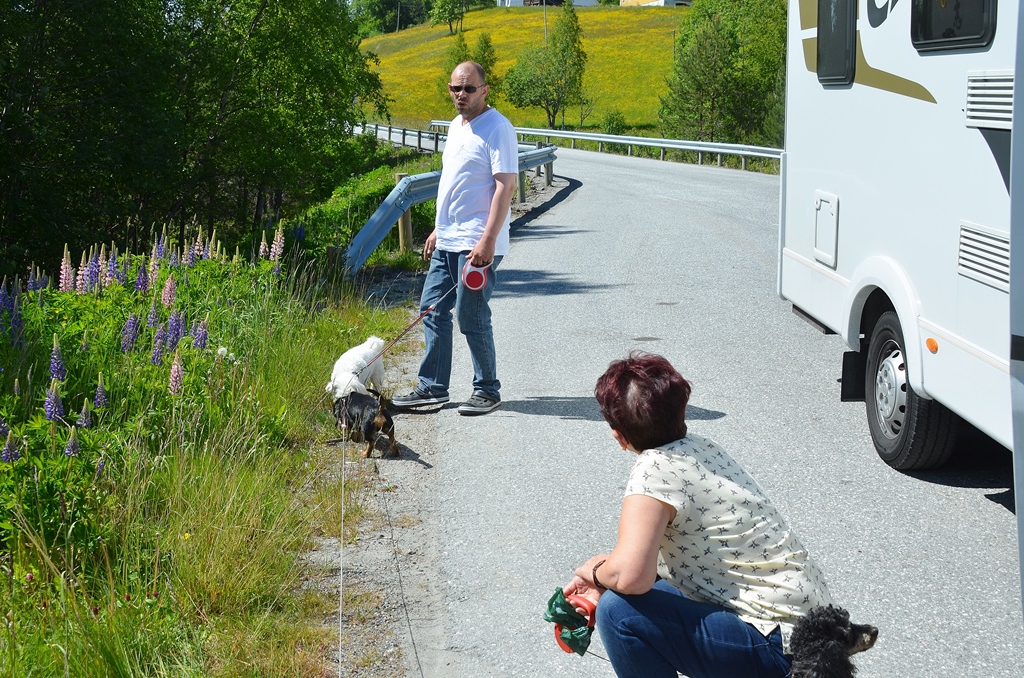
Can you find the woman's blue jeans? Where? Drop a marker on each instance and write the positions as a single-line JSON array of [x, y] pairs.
[[474, 313], [663, 633]]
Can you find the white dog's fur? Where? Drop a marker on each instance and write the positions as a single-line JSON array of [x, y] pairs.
[[351, 372]]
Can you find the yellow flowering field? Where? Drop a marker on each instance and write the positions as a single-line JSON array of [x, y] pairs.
[[629, 57]]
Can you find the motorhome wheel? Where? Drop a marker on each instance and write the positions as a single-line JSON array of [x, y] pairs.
[[909, 432]]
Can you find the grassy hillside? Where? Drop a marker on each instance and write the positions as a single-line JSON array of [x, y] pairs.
[[629, 52]]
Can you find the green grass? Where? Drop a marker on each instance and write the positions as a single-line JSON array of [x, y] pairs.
[[629, 57], [179, 554]]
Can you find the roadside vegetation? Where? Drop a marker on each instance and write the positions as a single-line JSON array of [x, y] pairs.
[[163, 466]]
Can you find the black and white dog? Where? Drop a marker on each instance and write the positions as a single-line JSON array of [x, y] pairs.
[[359, 408], [823, 642]]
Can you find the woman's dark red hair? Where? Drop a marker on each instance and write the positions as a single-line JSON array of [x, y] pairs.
[[644, 398]]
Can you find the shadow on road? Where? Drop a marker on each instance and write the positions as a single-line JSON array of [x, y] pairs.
[[978, 462], [584, 408], [519, 222], [521, 282]]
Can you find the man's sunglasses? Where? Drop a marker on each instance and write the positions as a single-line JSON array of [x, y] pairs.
[[469, 88]]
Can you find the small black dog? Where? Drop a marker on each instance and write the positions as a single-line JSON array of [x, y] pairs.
[[363, 418], [823, 641]]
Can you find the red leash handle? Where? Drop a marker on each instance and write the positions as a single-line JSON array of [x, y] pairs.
[[576, 601]]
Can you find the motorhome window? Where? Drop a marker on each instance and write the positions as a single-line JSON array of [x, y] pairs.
[[837, 31], [952, 24]]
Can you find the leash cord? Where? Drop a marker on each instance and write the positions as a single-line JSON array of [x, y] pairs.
[[411, 325]]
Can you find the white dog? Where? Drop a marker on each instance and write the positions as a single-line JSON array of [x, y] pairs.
[[353, 371]]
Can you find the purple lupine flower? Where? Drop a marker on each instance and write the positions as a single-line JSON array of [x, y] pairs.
[[112, 269], [263, 247], [159, 343], [100, 400], [122, 273], [99, 467], [129, 333], [31, 279], [152, 316], [84, 348], [190, 257], [73, 447], [67, 274], [175, 329], [92, 274], [85, 416], [53, 405], [206, 251], [177, 375], [174, 258], [10, 452], [141, 279], [277, 248], [161, 246], [58, 370], [4, 429], [277, 267], [200, 335], [83, 272], [170, 291]]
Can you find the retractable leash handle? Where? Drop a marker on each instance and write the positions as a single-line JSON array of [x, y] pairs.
[[576, 601], [474, 278]]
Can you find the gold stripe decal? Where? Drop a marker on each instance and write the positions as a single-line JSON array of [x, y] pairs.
[[867, 75], [872, 77]]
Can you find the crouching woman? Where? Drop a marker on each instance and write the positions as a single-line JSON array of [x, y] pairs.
[[706, 578]]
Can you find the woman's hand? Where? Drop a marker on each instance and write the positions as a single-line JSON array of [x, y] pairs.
[[582, 583]]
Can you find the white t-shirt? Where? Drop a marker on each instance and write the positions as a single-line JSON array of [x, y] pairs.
[[728, 545], [473, 154]]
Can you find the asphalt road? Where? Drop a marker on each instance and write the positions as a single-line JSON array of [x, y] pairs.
[[681, 260]]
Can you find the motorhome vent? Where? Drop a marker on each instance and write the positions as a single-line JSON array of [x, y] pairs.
[[984, 255], [990, 99]]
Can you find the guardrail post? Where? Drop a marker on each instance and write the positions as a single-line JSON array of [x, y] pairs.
[[536, 171], [743, 159], [629, 150], [522, 187], [549, 173], [600, 146], [700, 157], [662, 152], [403, 137], [404, 222], [437, 135], [719, 159], [573, 144], [419, 140]]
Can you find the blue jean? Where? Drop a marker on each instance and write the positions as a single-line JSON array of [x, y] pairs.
[[474, 313], [662, 633]]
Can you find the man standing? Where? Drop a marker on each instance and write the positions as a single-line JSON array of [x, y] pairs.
[[478, 176]]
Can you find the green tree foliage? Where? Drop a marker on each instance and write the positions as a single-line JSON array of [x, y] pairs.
[[550, 76], [448, 12], [374, 17], [702, 81], [121, 115], [485, 55], [728, 54]]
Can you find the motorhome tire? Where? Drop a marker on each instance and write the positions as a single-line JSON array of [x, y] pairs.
[[909, 432]]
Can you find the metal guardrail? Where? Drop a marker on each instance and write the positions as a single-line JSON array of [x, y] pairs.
[[700, 147], [413, 190]]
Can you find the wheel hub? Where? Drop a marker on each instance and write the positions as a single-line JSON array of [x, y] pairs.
[[891, 392]]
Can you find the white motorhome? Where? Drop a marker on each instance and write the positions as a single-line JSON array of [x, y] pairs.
[[895, 209]]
